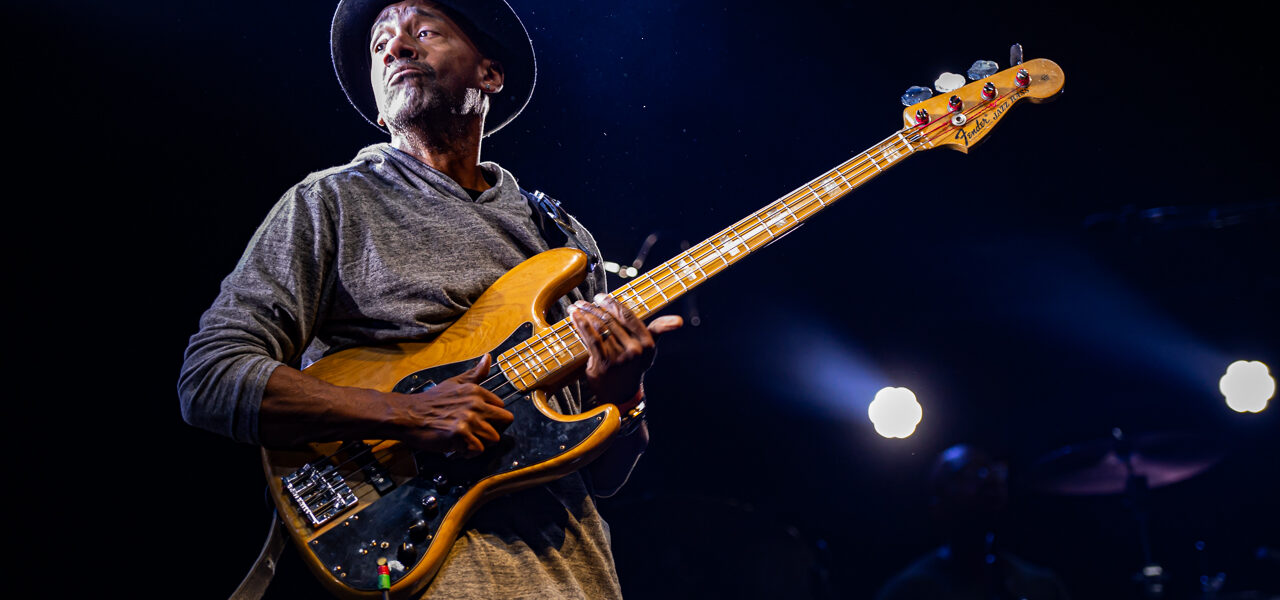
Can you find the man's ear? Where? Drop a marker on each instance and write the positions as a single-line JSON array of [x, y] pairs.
[[491, 76]]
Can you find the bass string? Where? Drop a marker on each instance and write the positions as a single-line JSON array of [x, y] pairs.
[[376, 444], [375, 448], [804, 197]]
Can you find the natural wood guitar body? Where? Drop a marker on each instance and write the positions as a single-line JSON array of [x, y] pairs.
[[347, 562]]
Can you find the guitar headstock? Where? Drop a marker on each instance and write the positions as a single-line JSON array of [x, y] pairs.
[[982, 104]]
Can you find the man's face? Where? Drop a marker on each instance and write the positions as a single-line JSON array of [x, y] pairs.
[[423, 62]]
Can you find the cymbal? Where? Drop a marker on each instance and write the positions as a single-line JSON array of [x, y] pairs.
[[1099, 467]]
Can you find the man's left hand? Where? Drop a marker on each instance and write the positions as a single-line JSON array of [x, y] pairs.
[[620, 347]]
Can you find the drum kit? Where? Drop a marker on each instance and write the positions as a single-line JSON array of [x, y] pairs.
[[1132, 466]]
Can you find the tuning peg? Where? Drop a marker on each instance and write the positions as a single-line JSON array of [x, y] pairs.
[[948, 82], [989, 91], [954, 103], [983, 68], [916, 94], [1015, 55], [1023, 78]]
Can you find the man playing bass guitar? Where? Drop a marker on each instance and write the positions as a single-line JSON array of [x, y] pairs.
[[397, 245]]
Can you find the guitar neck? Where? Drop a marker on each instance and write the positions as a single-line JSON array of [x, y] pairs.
[[547, 357], [668, 281], [967, 117]]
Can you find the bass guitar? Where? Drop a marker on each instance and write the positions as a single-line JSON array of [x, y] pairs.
[[356, 508]]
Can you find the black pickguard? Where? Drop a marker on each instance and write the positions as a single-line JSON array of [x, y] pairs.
[[351, 550]]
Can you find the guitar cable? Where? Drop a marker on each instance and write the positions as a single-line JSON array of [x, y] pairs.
[[384, 578]]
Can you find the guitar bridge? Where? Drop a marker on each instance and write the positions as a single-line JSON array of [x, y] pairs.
[[319, 492]]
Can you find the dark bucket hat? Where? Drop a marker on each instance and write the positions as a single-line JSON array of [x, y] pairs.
[[493, 26]]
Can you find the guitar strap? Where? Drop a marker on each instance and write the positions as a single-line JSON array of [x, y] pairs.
[[547, 209], [259, 577]]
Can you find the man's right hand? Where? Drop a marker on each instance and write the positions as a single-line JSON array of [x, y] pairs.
[[456, 415]]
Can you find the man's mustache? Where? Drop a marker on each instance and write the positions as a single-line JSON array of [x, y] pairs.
[[404, 64]]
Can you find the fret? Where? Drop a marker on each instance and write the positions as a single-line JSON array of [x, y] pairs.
[[792, 213], [846, 181], [515, 354], [727, 245], [525, 362], [910, 148], [517, 379], [758, 228], [687, 270], [698, 265], [575, 339], [562, 346], [829, 189], [639, 298], [890, 153], [742, 242], [871, 158], [679, 279], [572, 334], [621, 296], [659, 288], [816, 194], [712, 254], [655, 277], [552, 351], [566, 343], [640, 287]]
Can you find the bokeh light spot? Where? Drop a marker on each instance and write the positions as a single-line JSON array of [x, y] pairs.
[[895, 412], [1247, 385]]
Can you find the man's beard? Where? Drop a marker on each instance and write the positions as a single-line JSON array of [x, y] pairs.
[[432, 112]]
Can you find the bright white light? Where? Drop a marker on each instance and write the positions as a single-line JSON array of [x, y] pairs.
[[895, 412], [623, 272], [1247, 385]]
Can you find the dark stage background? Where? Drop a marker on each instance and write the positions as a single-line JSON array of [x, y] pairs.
[[1024, 292]]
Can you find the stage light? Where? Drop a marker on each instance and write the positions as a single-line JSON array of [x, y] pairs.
[[1247, 386], [895, 412], [623, 272]]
